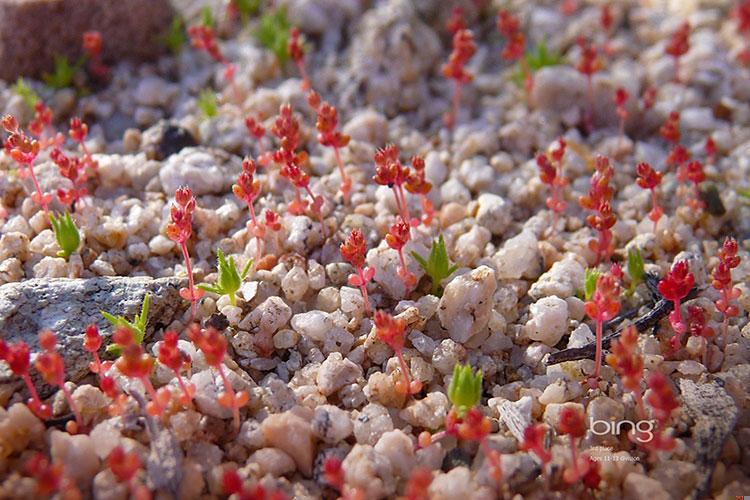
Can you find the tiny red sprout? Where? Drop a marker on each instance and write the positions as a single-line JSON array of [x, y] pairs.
[[179, 231], [621, 99], [670, 130], [353, 251], [649, 97], [721, 280], [417, 488], [697, 323], [674, 287], [661, 397], [247, 189], [272, 220], [18, 357], [741, 14], [92, 342], [533, 441], [296, 51], [203, 38], [397, 238], [330, 136], [79, 131], [510, 27], [255, 128], [92, 45], [389, 171], [475, 426], [694, 173], [553, 177], [456, 21], [573, 423], [678, 46], [173, 358], [334, 473], [73, 169], [599, 200], [50, 478], [42, 121], [51, 366], [650, 179], [232, 482], [605, 17], [589, 63], [625, 358], [392, 331], [135, 363], [710, 148], [416, 183], [603, 306], [125, 466], [24, 150], [463, 50], [214, 346]]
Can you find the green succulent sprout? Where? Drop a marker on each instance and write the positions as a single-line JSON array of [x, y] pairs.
[[207, 103], [535, 59], [207, 17], [589, 283], [66, 233], [230, 279], [273, 33], [437, 266], [635, 268], [62, 76], [24, 90], [174, 38], [247, 8], [137, 326], [465, 389]]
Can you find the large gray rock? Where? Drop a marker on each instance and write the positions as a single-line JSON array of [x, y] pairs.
[[68, 306], [32, 32]]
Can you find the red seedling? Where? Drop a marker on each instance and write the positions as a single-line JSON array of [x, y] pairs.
[[353, 251], [202, 37], [330, 136], [605, 17], [392, 331], [79, 131], [234, 486], [649, 97], [179, 231], [621, 99], [397, 238], [573, 423], [721, 280], [599, 200], [650, 179], [255, 128], [694, 173], [73, 169], [418, 486], [24, 150], [554, 178], [515, 42], [678, 46], [41, 127], [603, 306], [670, 130], [568, 7], [663, 403], [463, 50], [334, 475], [18, 357], [675, 286], [247, 189], [534, 442], [416, 183], [50, 478], [697, 328], [125, 467], [456, 21], [51, 366], [92, 342], [272, 220], [135, 363], [710, 148], [741, 14], [214, 346], [296, 51], [588, 64], [92, 46], [625, 358], [389, 171], [173, 358]]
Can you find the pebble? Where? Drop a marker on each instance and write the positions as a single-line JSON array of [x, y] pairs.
[[608, 410], [272, 461], [369, 471], [293, 435], [295, 284], [466, 304], [563, 280], [313, 325], [428, 412], [639, 487], [447, 354], [549, 320], [271, 315], [154, 91], [493, 213], [454, 484], [398, 448], [552, 412], [331, 424], [519, 257], [336, 372], [18, 428], [80, 450], [370, 423], [199, 170]]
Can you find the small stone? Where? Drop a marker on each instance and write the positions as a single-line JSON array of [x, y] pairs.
[[639, 487], [549, 320], [369, 471], [371, 423], [563, 280], [451, 213], [690, 367], [336, 372], [199, 169], [553, 393], [285, 339], [447, 354], [206, 455], [552, 412], [428, 412], [272, 461], [18, 428], [251, 435], [331, 424], [295, 284], [454, 484], [608, 410], [493, 213], [519, 257], [399, 450], [467, 303], [293, 435], [313, 325], [80, 450]]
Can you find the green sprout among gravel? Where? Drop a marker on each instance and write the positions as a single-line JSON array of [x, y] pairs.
[[589, 283], [437, 266], [25, 92], [635, 269], [273, 33], [207, 103], [465, 388], [230, 279], [137, 325], [66, 233]]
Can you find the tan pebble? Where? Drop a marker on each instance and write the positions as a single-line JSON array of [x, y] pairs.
[[131, 140], [367, 209], [451, 213], [292, 435]]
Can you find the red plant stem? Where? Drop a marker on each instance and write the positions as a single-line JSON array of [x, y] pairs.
[[403, 261], [639, 404], [404, 370], [71, 403], [228, 387], [182, 385], [191, 285], [528, 78], [251, 208], [363, 289], [490, 456], [598, 358], [677, 69], [152, 393], [344, 179], [30, 385], [654, 205], [303, 73], [38, 189]]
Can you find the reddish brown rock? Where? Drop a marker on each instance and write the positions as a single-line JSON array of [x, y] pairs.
[[32, 32]]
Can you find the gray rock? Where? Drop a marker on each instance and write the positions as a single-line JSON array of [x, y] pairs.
[[165, 139], [68, 306], [204, 171]]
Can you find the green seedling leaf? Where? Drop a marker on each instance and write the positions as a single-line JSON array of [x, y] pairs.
[[589, 283], [465, 388], [635, 266], [535, 59], [207, 103], [137, 325], [175, 38], [23, 90], [745, 193], [66, 233], [437, 266], [273, 33], [247, 8], [230, 279], [62, 76], [207, 17]]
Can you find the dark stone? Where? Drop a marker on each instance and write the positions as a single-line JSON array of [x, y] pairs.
[[165, 139]]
